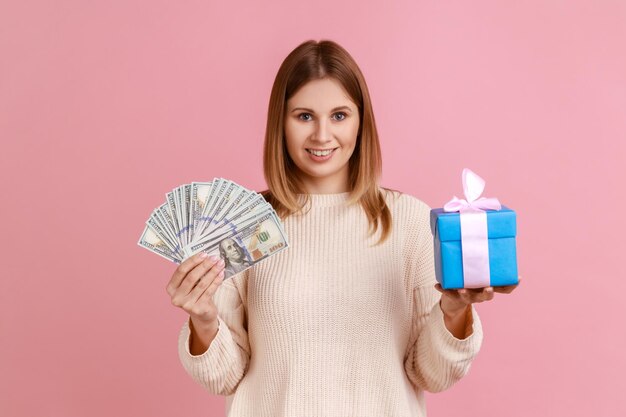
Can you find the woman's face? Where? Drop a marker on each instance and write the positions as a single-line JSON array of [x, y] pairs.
[[321, 127]]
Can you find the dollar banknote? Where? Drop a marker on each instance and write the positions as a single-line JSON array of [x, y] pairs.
[[154, 243], [218, 217], [240, 251]]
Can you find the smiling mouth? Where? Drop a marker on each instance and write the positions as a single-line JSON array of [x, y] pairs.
[[320, 152]]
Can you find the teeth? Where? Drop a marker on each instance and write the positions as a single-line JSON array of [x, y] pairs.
[[320, 153]]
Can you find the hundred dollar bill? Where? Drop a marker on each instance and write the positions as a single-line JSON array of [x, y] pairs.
[[151, 241], [200, 192], [247, 205], [157, 227], [218, 187], [179, 211], [186, 196], [248, 247], [229, 229], [173, 213], [180, 207], [166, 219], [218, 217], [222, 200], [228, 205], [232, 226]]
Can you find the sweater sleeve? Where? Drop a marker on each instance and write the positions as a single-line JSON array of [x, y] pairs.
[[223, 365], [435, 359]]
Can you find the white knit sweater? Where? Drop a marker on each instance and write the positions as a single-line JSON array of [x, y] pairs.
[[333, 326]]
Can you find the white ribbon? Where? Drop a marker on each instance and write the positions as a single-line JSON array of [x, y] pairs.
[[474, 233]]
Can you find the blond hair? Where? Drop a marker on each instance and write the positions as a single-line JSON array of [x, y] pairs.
[[313, 60]]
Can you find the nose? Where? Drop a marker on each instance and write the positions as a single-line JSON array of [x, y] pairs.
[[322, 132]]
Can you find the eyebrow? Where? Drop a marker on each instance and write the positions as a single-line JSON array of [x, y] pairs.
[[333, 110]]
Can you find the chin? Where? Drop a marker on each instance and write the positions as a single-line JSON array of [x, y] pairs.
[[323, 172]]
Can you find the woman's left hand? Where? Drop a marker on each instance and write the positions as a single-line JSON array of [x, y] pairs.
[[455, 304]]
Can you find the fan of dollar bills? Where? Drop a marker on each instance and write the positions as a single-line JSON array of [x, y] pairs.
[[220, 218]]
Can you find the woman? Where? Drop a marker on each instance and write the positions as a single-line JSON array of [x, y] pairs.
[[348, 321]]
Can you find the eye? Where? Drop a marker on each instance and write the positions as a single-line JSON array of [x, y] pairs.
[[304, 114], [342, 114]]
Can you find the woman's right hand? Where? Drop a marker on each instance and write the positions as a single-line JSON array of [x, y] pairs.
[[192, 287]]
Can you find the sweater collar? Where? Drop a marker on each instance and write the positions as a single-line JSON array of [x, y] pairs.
[[326, 200]]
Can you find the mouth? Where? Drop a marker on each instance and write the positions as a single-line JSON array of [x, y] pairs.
[[321, 152]]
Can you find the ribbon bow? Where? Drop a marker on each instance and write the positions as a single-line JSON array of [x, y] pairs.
[[473, 187], [474, 234]]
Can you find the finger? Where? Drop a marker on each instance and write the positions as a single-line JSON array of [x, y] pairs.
[[478, 295], [506, 289], [206, 281], [188, 300], [194, 276], [180, 297], [465, 296], [205, 300], [212, 288], [461, 294], [182, 270], [487, 294], [452, 292], [482, 294]]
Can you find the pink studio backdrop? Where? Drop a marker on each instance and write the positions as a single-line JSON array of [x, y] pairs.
[[105, 106]]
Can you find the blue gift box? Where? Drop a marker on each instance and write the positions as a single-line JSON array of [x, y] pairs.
[[501, 232]]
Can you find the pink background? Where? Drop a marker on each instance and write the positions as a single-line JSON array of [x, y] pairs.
[[105, 106]]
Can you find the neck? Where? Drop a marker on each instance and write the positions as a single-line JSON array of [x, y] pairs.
[[334, 184]]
